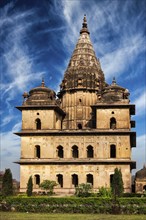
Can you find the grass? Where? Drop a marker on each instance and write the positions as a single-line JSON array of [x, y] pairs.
[[37, 216]]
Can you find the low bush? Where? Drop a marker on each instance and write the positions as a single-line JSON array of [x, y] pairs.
[[104, 192], [74, 205], [83, 190]]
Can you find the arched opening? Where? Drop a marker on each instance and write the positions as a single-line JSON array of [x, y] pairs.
[[90, 179], [60, 180], [79, 126], [90, 152], [75, 180], [38, 124], [37, 179], [112, 123], [37, 151], [60, 152], [144, 187], [75, 152], [112, 151], [111, 179]]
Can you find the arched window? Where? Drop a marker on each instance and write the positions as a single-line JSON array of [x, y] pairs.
[[90, 152], [37, 179], [112, 123], [37, 151], [60, 152], [75, 180], [112, 151], [90, 179], [60, 180], [38, 124], [79, 126], [75, 153]]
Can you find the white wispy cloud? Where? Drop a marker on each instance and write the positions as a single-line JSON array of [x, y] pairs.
[[17, 61], [117, 39], [117, 54], [139, 153], [16, 58], [140, 103], [6, 120], [10, 150], [117, 61]]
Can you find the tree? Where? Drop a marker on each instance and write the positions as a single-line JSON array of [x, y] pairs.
[[7, 183], [29, 187], [83, 190], [117, 183], [48, 185]]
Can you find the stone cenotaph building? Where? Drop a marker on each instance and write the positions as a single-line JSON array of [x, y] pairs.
[[81, 134]]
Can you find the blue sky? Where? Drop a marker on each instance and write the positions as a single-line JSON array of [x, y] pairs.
[[37, 40]]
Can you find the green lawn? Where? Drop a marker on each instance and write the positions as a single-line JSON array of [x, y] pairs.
[[33, 216]]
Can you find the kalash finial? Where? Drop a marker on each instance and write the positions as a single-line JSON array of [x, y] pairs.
[[84, 26], [43, 82], [114, 81]]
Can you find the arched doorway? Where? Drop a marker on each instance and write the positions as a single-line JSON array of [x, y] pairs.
[[75, 152], [111, 179], [60, 180], [60, 152], [90, 179], [75, 180], [37, 180], [90, 151]]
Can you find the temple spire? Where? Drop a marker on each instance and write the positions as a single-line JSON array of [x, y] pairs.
[[84, 26]]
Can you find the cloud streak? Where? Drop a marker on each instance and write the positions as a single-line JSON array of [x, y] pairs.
[[38, 40]]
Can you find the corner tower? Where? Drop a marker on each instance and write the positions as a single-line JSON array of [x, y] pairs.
[[82, 80]]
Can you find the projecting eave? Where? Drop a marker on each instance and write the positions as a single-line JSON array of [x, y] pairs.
[[42, 107], [114, 105], [77, 161]]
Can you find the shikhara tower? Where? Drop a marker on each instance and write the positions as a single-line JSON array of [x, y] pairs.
[[82, 135]]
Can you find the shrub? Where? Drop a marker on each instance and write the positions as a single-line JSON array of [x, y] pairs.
[[83, 190], [75, 205], [104, 192], [48, 185]]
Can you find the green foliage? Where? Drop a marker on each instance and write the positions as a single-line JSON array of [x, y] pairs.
[[104, 192], [48, 185], [74, 205], [117, 184], [83, 190], [7, 183], [29, 187]]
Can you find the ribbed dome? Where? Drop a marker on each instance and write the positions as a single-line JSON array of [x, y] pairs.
[[40, 95], [84, 70], [114, 92], [141, 174]]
